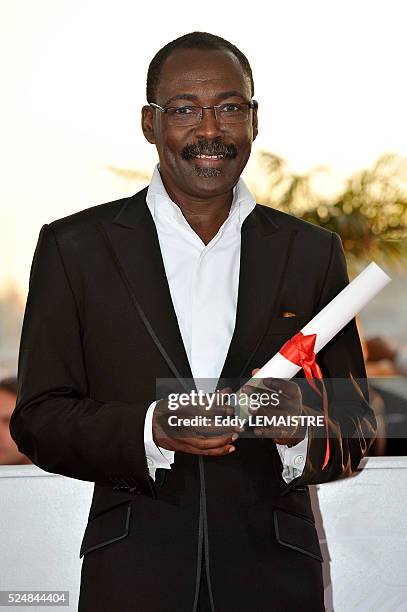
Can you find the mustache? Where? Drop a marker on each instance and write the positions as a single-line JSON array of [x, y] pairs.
[[207, 147]]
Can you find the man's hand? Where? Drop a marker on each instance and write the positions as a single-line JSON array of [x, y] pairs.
[[202, 439], [290, 404]]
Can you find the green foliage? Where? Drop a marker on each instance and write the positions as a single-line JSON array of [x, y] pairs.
[[368, 211]]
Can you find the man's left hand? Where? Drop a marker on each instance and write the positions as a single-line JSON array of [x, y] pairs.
[[290, 404]]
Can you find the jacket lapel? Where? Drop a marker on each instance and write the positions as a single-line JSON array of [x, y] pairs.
[[133, 242], [265, 251]]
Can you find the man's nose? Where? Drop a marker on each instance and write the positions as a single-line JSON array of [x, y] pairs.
[[209, 126]]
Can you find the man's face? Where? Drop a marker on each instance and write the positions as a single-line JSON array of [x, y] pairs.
[[9, 453], [201, 78]]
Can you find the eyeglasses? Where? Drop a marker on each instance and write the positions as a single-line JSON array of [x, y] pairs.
[[229, 113]]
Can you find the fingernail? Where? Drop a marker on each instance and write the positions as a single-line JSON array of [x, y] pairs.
[[235, 436], [231, 449]]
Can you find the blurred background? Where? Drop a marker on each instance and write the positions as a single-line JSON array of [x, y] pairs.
[[332, 145]]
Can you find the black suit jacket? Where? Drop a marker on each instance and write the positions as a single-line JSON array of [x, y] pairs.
[[99, 329]]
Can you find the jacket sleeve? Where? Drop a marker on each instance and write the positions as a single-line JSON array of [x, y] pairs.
[[352, 424], [55, 422]]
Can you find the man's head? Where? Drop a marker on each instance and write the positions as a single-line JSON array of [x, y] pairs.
[[9, 453], [200, 70]]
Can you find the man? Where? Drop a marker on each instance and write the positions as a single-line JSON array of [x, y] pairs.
[[9, 453], [186, 280]]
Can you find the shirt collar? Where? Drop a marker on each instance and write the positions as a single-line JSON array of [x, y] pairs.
[[161, 205]]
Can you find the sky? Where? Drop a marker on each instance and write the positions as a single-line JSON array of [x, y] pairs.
[[329, 78]]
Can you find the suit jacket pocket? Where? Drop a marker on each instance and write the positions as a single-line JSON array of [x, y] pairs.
[[297, 532], [286, 325], [106, 528]]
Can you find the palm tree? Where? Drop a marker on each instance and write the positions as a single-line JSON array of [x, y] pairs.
[[369, 211]]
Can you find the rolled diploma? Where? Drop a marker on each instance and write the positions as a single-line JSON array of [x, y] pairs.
[[329, 321]]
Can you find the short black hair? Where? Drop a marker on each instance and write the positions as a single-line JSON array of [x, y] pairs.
[[193, 40], [9, 385]]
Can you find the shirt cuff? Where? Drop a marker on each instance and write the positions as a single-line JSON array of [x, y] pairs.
[[293, 458], [157, 457]]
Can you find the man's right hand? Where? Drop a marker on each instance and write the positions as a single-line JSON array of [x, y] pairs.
[[208, 439]]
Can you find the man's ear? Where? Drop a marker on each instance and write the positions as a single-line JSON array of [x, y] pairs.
[[147, 123], [255, 124]]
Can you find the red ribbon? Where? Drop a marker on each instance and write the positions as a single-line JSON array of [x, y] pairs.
[[300, 350]]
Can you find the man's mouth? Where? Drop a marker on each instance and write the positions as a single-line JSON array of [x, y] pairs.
[[202, 156], [208, 157], [214, 157], [209, 152]]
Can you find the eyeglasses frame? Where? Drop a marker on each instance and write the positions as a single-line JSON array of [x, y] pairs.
[[252, 104]]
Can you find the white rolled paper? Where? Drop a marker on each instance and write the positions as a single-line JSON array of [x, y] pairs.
[[332, 318], [328, 322]]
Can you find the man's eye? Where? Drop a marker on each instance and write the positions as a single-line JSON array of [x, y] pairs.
[[230, 108], [183, 110]]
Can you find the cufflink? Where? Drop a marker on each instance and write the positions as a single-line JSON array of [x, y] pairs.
[[288, 314]]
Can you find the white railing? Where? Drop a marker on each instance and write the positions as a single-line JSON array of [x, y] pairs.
[[362, 524]]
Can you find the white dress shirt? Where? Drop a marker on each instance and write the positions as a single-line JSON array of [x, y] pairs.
[[203, 282]]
